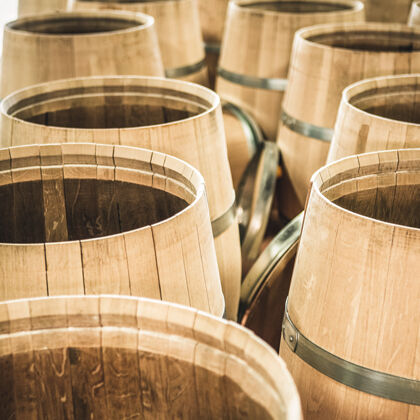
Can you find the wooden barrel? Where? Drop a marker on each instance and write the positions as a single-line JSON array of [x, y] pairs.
[[84, 218], [266, 286], [344, 53], [113, 357], [32, 7], [377, 114], [243, 138], [56, 46], [414, 16], [256, 50], [178, 29], [212, 19], [351, 327], [170, 116], [387, 10]]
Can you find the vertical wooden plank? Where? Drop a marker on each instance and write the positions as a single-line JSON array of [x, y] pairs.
[[7, 215], [105, 268], [142, 266], [121, 370], [22, 271], [7, 386], [54, 204], [64, 268]]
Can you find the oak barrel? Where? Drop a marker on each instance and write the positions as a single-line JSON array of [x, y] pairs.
[[178, 29], [352, 323], [414, 16], [83, 218], [56, 46], [114, 357], [325, 60], [174, 117], [256, 50], [32, 7], [378, 114]]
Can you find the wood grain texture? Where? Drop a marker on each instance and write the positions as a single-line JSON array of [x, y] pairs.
[[166, 252], [258, 41], [362, 216], [326, 60], [177, 26], [119, 357], [169, 116], [377, 114], [82, 44], [387, 10], [32, 7]]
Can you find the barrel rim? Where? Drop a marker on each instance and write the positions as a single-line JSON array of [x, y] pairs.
[[199, 186], [177, 86], [357, 88], [176, 320], [303, 34], [240, 6], [318, 180], [143, 20]]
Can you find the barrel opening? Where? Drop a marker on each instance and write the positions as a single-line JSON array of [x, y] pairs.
[[298, 6], [390, 193], [73, 25], [401, 103], [373, 41], [31, 211], [109, 107], [111, 382]]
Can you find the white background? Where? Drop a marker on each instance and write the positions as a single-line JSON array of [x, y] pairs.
[[8, 12]]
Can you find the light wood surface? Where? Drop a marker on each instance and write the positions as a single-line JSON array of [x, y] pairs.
[[57, 46], [258, 41], [174, 117], [325, 60], [116, 357], [387, 10], [378, 114], [32, 7], [82, 218], [178, 29], [414, 16], [355, 289]]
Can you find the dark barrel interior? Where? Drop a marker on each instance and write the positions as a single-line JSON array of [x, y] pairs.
[[109, 107], [397, 204], [299, 6], [76, 209], [374, 40], [400, 102], [117, 383], [73, 25]]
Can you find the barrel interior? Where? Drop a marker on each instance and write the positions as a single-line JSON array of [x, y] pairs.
[[73, 24], [388, 196], [401, 102], [83, 382], [109, 107], [373, 40], [299, 6], [93, 208]]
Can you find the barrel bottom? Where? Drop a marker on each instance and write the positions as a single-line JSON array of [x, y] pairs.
[[301, 156], [228, 251], [323, 398]]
